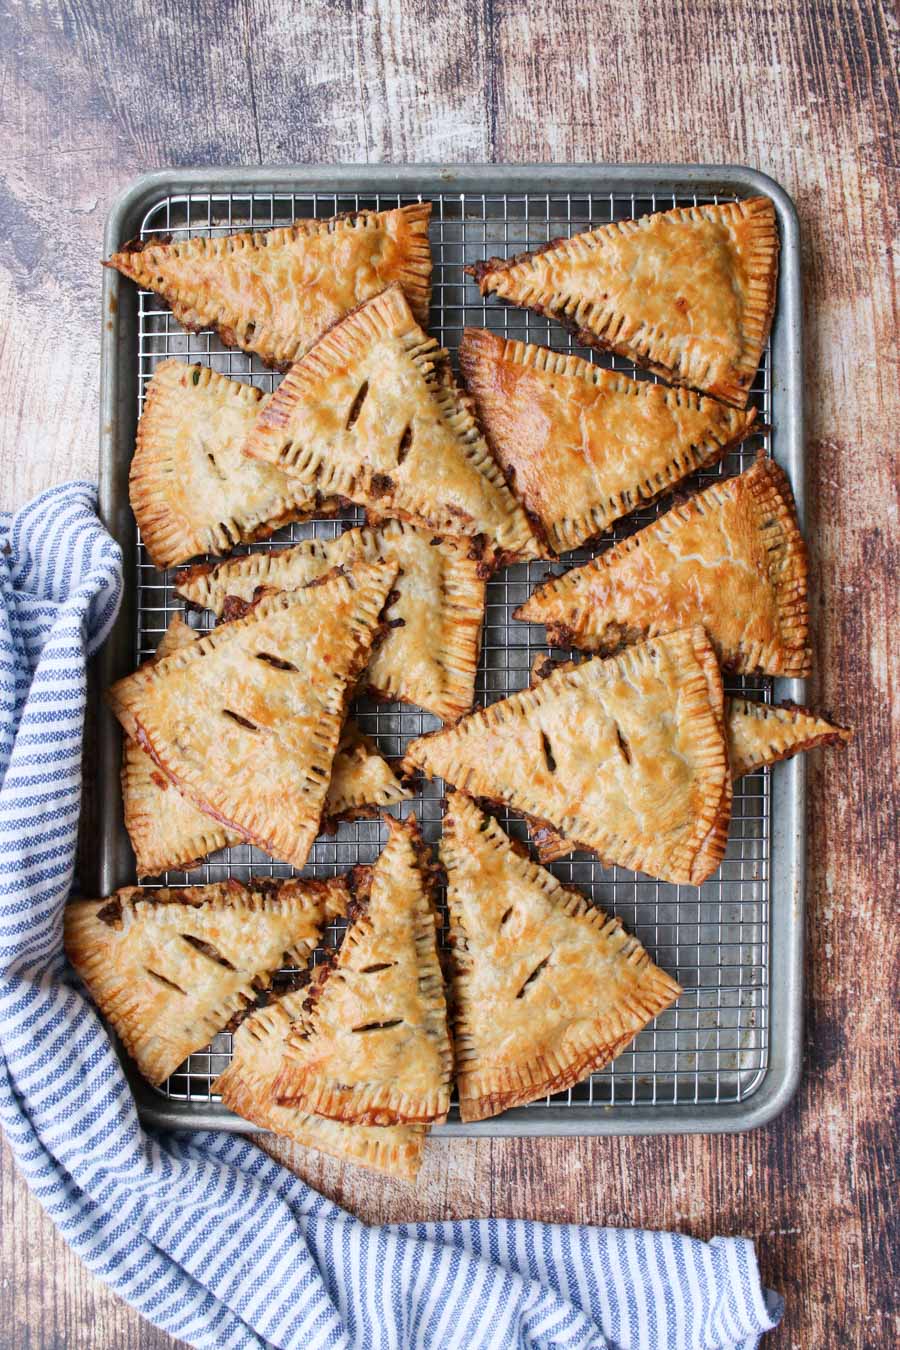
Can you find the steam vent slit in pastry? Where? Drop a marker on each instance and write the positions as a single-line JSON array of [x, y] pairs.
[[688, 293], [192, 489], [429, 655], [582, 446], [376, 1050], [546, 988], [274, 293], [372, 413], [168, 831], [169, 969], [731, 557], [246, 1088], [625, 757], [246, 721]]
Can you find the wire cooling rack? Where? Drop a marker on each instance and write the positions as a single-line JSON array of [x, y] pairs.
[[713, 1046]]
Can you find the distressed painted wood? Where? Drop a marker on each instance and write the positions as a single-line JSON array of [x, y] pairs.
[[92, 94]]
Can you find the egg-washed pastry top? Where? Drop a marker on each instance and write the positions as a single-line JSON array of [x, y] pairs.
[[756, 734], [546, 988], [192, 489], [626, 757], [376, 1050], [274, 292], [582, 446], [246, 720], [246, 1088], [731, 557], [170, 968], [429, 655], [760, 734], [688, 293], [168, 831], [372, 413]]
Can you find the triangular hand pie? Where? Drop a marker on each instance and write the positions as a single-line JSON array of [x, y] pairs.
[[760, 734], [192, 490], [170, 968], [430, 653], [361, 779], [168, 831], [376, 1050], [275, 293], [688, 293], [246, 720], [756, 734], [372, 413], [583, 446], [246, 1088], [731, 557], [626, 756], [547, 989]]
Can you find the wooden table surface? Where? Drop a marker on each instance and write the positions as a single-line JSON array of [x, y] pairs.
[[93, 94]]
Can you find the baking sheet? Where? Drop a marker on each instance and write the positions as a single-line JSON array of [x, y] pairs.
[[727, 1055]]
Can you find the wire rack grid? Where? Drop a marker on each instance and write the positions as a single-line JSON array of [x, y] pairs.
[[713, 1046]]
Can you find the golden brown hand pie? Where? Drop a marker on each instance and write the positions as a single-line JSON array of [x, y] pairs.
[[731, 558], [275, 293], [757, 735], [246, 1087], [192, 490], [583, 446], [760, 734], [430, 654], [168, 831], [246, 720], [372, 413], [170, 968], [546, 989], [626, 757], [688, 293], [376, 1050]]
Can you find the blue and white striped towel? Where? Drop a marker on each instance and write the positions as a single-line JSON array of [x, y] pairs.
[[203, 1233]]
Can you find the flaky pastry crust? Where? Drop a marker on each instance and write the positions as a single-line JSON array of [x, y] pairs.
[[275, 292], [372, 413], [191, 488], [429, 655], [582, 446], [246, 1088], [626, 756], [246, 720], [376, 1050], [757, 735], [688, 293], [170, 968], [546, 988], [731, 557], [168, 831], [760, 734]]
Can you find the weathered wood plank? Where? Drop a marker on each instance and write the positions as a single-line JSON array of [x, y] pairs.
[[91, 95]]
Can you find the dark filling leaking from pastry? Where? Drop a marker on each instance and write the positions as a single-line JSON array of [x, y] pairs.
[[275, 661], [207, 949], [241, 721], [533, 976], [356, 405], [405, 445], [623, 744]]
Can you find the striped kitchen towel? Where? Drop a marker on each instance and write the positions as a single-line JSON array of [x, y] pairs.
[[203, 1233]]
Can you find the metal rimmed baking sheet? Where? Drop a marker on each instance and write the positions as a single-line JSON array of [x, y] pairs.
[[727, 1055]]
